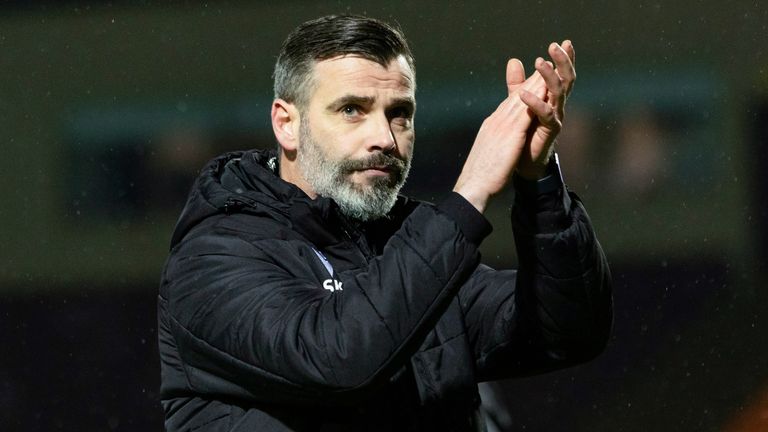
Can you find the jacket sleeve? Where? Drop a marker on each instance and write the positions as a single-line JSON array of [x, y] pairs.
[[248, 324], [556, 309]]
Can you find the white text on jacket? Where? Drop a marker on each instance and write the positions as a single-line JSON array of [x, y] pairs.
[[332, 285]]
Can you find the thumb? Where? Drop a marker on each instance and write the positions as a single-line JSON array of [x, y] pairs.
[[515, 74]]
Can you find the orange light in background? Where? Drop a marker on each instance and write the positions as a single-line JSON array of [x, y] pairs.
[[754, 417]]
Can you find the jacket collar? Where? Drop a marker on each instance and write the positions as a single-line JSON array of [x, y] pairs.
[[248, 182]]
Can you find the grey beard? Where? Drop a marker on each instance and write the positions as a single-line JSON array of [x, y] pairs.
[[330, 178]]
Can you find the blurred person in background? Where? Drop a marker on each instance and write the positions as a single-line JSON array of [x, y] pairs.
[[302, 292]]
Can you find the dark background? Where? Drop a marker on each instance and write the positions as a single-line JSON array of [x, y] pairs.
[[107, 110]]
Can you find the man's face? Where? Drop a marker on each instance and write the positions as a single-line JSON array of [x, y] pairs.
[[357, 133]]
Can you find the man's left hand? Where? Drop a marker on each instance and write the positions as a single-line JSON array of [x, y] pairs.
[[559, 78]]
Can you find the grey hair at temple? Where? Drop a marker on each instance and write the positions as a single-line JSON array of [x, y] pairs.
[[328, 37]]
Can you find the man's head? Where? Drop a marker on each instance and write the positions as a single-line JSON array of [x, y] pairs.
[[343, 112]]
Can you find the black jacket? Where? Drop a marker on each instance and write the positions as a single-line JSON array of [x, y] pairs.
[[276, 313]]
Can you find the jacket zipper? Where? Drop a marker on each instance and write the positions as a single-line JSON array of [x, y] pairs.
[[361, 242]]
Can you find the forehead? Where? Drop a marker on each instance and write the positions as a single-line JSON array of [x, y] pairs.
[[353, 74]]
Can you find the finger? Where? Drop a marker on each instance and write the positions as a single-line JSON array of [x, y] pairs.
[[563, 65], [560, 57], [571, 51], [554, 84], [542, 110], [568, 47], [515, 74], [551, 78]]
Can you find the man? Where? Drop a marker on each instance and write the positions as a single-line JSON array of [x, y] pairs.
[[302, 293]]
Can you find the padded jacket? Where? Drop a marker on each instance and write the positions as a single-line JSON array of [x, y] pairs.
[[277, 313]]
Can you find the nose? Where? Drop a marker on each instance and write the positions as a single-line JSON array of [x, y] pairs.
[[381, 137]]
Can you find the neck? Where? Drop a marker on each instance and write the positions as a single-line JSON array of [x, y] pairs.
[[290, 172]]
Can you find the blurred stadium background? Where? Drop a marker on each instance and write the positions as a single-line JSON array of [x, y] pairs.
[[107, 110]]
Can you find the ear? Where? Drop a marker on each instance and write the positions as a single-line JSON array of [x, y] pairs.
[[285, 124]]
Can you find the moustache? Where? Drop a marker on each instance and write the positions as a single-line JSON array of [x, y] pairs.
[[376, 160]]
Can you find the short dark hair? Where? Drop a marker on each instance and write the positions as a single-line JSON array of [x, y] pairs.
[[331, 36]]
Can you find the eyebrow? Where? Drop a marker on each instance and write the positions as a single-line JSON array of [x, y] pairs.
[[350, 100], [367, 101], [407, 102]]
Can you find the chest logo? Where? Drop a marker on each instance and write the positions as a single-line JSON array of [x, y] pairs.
[[332, 285]]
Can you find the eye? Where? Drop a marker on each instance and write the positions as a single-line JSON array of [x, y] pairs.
[[400, 112], [350, 110], [401, 116]]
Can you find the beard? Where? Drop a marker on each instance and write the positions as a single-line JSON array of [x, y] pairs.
[[332, 178]]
